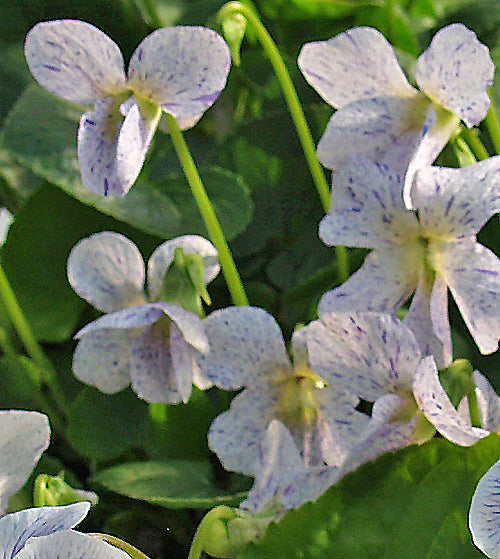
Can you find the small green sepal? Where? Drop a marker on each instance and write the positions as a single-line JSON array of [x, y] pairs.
[[54, 491]]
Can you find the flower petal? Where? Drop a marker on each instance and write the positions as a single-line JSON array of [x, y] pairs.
[[369, 127], [491, 411], [24, 435], [181, 69], [74, 60], [367, 208], [163, 256], [455, 71], [434, 402], [102, 359], [383, 283], [107, 270], [456, 203], [70, 545], [190, 326], [17, 528], [235, 435], [356, 64], [246, 345], [368, 354], [484, 515], [472, 273]]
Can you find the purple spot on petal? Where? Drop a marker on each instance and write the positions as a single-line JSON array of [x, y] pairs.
[[51, 68], [106, 187]]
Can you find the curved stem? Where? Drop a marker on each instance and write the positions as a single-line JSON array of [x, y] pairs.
[[212, 224], [472, 138], [493, 124]]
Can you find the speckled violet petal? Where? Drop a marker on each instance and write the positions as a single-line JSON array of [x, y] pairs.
[[183, 362], [69, 544], [369, 127], [152, 371], [309, 485], [299, 348], [181, 69], [484, 515], [491, 412], [367, 208], [456, 203], [436, 406], [190, 326], [383, 283], [235, 435], [278, 462], [97, 143], [74, 60], [356, 64], [24, 435], [433, 339], [246, 345], [133, 141], [472, 273], [17, 528], [134, 317], [455, 71], [6, 219], [369, 354], [163, 256], [102, 359], [107, 270]]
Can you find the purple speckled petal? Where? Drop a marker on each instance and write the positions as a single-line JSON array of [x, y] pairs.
[[235, 435], [309, 485], [356, 64], [490, 410], [455, 72], [369, 354], [369, 128], [484, 515], [428, 320], [367, 208], [134, 317], [107, 270], [24, 435], [102, 359], [17, 528], [472, 272], [456, 203], [74, 60], [69, 544], [436, 406], [154, 378], [181, 69], [383, 283], [190, 326], [163, 256], [246, 345], [97, 141]]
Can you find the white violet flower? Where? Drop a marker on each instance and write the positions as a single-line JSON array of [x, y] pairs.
[[153, 344], [179, 70]]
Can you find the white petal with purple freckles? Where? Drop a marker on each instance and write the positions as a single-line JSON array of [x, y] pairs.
[[107, 270], [491, 411], [24, 435], [356, 64], [102, 359], [74, 60], [484, 514], [163, 256], [455, 71], [246, 345], [181, 69], [190, 325], [435, 404]]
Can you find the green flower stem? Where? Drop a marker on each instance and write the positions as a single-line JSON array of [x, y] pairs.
[[212, 224], [296, 113], [475, 414], [472, 138], [493, 124], [23, 329]]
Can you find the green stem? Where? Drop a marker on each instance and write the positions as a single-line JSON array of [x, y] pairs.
[[390, 10], [475, 414], [493, 124], [212, 224], [471, 136], [297, 114], [23, 329]]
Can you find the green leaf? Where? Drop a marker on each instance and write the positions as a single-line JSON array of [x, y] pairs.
[[173, 484], [40, 131], [104, 426], [411, 504]]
